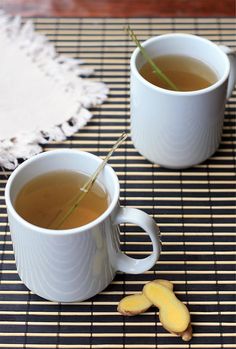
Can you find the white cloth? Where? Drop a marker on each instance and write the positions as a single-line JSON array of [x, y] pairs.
[[40, 92]]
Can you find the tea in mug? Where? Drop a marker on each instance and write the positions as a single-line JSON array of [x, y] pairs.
[[43, 198], [187, 73]]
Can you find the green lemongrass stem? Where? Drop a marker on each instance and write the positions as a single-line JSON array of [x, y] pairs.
[[60, 219], [156, 70]]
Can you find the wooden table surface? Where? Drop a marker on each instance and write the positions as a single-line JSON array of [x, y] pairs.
[[120, 8]]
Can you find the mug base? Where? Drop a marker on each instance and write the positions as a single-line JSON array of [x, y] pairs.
[[176, 167], [64, 298]]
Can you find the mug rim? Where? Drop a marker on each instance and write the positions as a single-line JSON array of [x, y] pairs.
[[210, 88], [54, 232]]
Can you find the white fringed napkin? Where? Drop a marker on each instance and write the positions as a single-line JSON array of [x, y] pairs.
[[42, 97]]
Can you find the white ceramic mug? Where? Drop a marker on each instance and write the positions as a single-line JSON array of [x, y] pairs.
[[180, 129], [74, 264]]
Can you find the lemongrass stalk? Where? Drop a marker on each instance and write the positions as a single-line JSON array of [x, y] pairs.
[[155, 68], [62, 217]]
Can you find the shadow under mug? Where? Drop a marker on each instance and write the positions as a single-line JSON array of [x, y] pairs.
[[180, 129], [74, 264]]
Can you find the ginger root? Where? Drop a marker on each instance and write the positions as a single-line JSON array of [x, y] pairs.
[[165, 283], [138, 303], [187, 334], [134, 304], [173, 314]]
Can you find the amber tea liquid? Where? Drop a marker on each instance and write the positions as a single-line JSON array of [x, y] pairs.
[[43, 198], [187, 73]]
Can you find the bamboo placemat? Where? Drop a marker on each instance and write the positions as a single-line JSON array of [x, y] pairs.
[[194, 208]]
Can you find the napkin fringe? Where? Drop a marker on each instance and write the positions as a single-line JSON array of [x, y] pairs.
[[26, 145], [65, 71]]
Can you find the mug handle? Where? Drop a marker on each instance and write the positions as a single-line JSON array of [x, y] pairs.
[[130, 265], [232, 75]]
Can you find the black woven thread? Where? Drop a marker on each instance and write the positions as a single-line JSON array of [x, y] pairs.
[[184, 243], [215, 259]]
